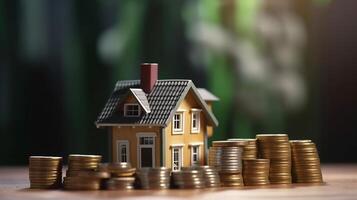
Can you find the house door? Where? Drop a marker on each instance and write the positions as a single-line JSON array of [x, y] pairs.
[[146, 150], [146, 157]]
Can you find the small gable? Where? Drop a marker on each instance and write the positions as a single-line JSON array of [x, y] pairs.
[[133, 104], [141, 98], [193, 100]]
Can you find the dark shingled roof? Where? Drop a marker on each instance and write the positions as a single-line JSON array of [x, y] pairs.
[[163, 100]]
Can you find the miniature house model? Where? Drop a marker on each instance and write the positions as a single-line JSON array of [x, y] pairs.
[[156, 123]]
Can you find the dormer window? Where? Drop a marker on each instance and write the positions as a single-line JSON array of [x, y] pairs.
[[131, 110]]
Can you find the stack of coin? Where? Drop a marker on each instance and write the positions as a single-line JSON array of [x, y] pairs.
[[78, 162], [306, 163], [82, 172], [226, 156], [122, 176], [154, 178], [256, 172], [120, 183], [45, 172], [250, 150], [189, 178], [231, 179], [276, 148], [211, 176], [85, 180]]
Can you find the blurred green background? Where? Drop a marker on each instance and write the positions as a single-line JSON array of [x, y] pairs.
[[278, 66]]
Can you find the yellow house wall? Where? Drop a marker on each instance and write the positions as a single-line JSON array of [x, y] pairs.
[[186, 137], [129, 133], [209, 128]]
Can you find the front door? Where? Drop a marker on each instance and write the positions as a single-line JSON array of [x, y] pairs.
[[146, 151], [146, 157]]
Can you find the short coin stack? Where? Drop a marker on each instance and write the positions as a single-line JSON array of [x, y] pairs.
[[306, 163], [122, 176], [226, 156], [276, 148], [154, 178], [82, 172], [211, 176], [189, 178], [45, 172], [250, 150], [256, 172]]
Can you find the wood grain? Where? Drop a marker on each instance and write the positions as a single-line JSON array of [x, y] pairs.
[[341, 183]]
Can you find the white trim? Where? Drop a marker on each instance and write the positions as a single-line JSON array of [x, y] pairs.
[[196, 109], [195, 144], [132, 104], [178, 131], [137, 98], [147, 134], [198, 155], [98, 125], [163, 143], [177, 145], [139, 146], [118, 142], [180, 156], [196, 112]]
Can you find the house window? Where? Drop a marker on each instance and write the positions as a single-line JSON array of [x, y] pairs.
[[176, 158], [195, 122], [131, 110], [178, 122], [195, 156], [123, 151], [146, 140]]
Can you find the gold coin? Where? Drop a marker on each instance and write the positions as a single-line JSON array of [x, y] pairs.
[[92, 174], [83, 156], [269, 135], [83, 164], [46, 158], [230, 143], [82, 187], [81, 180], [45, 173], [44, 187]]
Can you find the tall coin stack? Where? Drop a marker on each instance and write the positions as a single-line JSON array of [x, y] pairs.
[[211, 176], [250, 150], [122, 176], [226, 156], [306, 163], [276, 148], [154, 178], [256, 172], [82, 172], [45, 172], [189, 178]]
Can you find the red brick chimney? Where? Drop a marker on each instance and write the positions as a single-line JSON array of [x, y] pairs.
[[149, 75]]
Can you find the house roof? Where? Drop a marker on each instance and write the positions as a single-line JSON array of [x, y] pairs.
[[162, 101], [207, 95]]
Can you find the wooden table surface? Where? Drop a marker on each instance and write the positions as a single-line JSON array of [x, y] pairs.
[[341, 183]]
